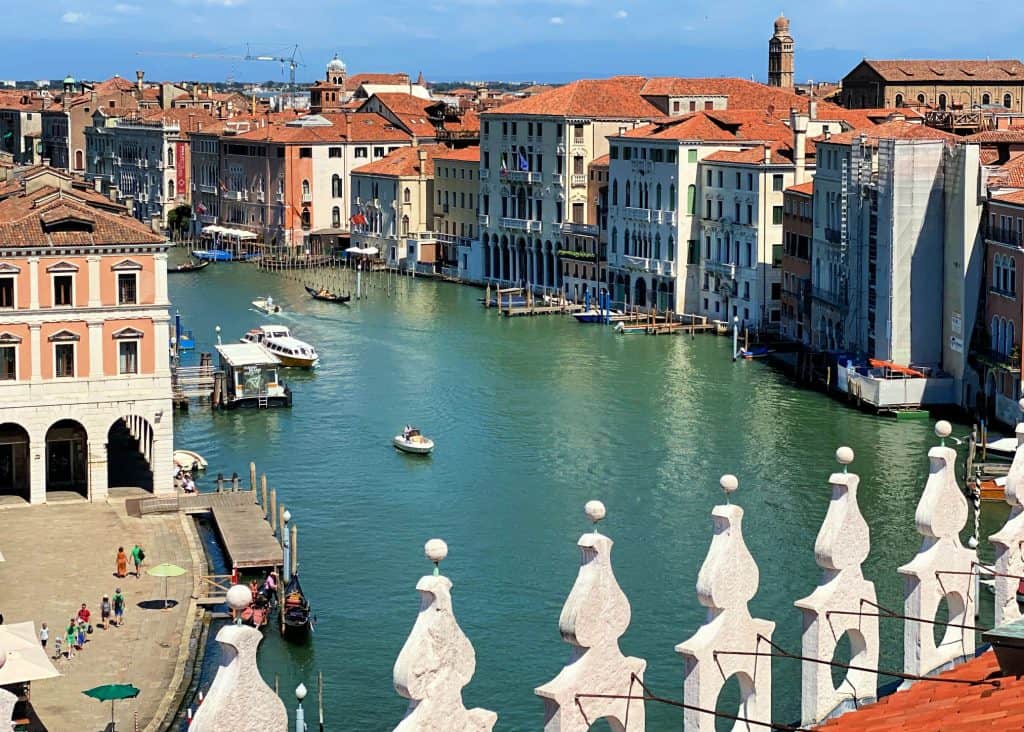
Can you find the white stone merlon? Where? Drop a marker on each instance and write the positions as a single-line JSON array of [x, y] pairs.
[[594, 617], [239, 699], [1009, 540], [843, 544], [727, 581], [929, 579], [437, 661]]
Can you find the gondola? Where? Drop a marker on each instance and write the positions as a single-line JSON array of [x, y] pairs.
[[326, 295], [296, 620], [189, 266]]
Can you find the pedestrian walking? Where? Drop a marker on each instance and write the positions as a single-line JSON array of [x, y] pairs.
[[122, 563], [82, 626], [69, 638], [44, 635], [84, 614], [138, 556], [105, 611], [57, 650], [118, 607]]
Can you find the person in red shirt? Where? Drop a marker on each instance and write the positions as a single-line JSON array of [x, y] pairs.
[[84, 614]]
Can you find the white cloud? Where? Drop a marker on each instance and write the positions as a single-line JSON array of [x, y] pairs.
[[557, 20], [72, 18], [126, 9], [621, 14], [226, 3]]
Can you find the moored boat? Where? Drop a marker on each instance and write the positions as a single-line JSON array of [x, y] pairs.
[[755, 352], [189, 266], [992, 489], [413, 442], [267, 305], [296, 619], [189, 461], [326, 295], [278, 340], [1003, 447], [594, 315]]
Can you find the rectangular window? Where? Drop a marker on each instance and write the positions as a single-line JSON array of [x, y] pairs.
[[614, 152], [738, 185], [127, 289], [128, 357], [334, 152], [750, 213], [776, 291], [487, 128], [708, 177], [777, 182], [693, 108], [777, 215], [63, 286], [378, 152], [709, 105], [777, 252], [676, 105], [691, 251], [504, 128], [305, 152], [360, 152], [627, 153], [6, 292], [721, 178], [64, 360], [8, 363], [719, 210], [577, 133], [691, 155], [670, 156]]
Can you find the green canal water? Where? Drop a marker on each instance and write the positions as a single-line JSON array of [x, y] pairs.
[[533, 417]]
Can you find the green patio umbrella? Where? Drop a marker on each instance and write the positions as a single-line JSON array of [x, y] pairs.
[[165, 570], [112, 693]]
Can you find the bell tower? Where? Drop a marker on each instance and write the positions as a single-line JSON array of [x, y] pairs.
[[780, 55]]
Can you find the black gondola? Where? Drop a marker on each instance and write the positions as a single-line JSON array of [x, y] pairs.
[[326, 295], [296, 620], [189, 266]]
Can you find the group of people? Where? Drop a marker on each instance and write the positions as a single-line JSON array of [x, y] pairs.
[[138, 555], [184, 479], [75, 635]]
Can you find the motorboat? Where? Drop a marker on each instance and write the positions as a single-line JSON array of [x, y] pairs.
[[267, 305], [412, 441], [326, 295], [221, 255], [1003, 447], [992, 489], [593, 315], [755, 352], [189, 266], [296, 619], [189, 461], [278, 341]]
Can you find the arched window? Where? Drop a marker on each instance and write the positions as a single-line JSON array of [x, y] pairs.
[[79, 160], [672, 197], [305, 219], [405, 226], [406, 196], [615, 192], [670, 254], [1009, 337], [657, 197], [749, 261], [1007, 101], [920, 98], [691, 198], [657, 246], [627, 194], [305, 187], [615, 240], [993, 333], [986, 99], [625, 243], [335, 186], [899, 100], [942, 101], [1011, 276], [336, 217], [170, 189], [170, 155]]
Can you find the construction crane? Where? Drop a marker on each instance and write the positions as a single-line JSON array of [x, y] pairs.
[[290, 61]]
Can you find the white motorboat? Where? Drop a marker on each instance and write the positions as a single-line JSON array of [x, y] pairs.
[[279, 341], [412, 441], [1004, 446], [189, 461], [267, 305]]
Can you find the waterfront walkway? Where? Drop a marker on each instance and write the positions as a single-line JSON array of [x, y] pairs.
[[61, 555]]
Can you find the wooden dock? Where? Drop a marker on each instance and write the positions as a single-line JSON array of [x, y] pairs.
[[520, 310]]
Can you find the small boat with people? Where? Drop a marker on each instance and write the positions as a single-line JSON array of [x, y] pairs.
[[279, 341], [755, 352], [222, 255], [326, 295], [593, 315], [189, 266], [296, 617], [413, 441], [267, 305], [189, 461]]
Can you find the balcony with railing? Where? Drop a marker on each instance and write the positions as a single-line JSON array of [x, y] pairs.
[[522, 176], [636, 214], [665, 217], [203, 188], [721, 268], [235, 196], [483, 219], [650, 265], [307, 198], [580, 229], [484, 174], [1005, 235], [579, 180], [520, 224]]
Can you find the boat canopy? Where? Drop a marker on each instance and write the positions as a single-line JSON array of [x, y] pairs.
[[369, 251], [239, 234]]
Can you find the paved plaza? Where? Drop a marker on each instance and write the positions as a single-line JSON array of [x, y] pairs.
[[61, 555]]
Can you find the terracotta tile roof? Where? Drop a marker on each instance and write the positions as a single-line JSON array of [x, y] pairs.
[[1016, 198], [988, 156], [467, 154], [468, 122], [741, 93], [895, 130], [1008, 175], [717, 126], [37, 219], [748, 156], [602, 162], [113, 84], [924, 70], [460, 92], [17, 99], [189, 120], [404, 103], [806, 188], [615, 98], [404, 162], [345, 127], [882, 113], [1010, 135], [356, 80], [933, 707]]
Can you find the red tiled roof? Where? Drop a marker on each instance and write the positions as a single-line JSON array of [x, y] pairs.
[[356, 80], [345, 127], [189, 120], [616, 98], [34, 219], [404, 162], [468, 122], [806, 188], [20, 100], [1008, 175], [404, 103], [748, 156], [894, 130], [602, 162], [1016, 198], [883, 112], [925, 70], [930, 706], [988, 156], [1010, 135], [113, 84], [467, 154]]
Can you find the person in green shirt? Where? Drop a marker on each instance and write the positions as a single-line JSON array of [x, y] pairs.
[[118, 607], [138, 555]]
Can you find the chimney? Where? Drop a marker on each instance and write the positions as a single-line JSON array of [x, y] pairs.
[[139, 76], [767, 154], [812, 109], [828, 134], [46, 162], [97, 184], [195, 92], [113, 193], [798, 123]]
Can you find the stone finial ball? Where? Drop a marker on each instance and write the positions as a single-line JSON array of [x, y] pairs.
[[239, 597], [729, 483], [595, 511], [1021, 404], [435, 550], [844, 455], [300, 692], [943, 428]]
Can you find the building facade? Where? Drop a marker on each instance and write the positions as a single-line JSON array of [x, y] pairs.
[[85, 389], [935, 84], [456, 210], [797, 235], [781, 55], [21, 118]]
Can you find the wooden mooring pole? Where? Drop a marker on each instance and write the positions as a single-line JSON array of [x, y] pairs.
[[252, 477], [263, 486], [294, 550], [273, 511]]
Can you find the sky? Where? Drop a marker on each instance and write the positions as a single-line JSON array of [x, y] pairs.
[[541, 40]]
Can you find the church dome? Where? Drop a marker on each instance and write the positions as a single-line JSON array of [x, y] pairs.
[[69, 80], [782, 24], [336, 64]]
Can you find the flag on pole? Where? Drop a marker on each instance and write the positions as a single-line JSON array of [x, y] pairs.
[[523, 163], [200, 208]]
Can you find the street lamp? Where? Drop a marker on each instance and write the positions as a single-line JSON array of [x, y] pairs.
[[300, 716], [217, 331], [286, 573]]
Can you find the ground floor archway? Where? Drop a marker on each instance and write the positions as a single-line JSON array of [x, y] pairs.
[[67, 462], [14, 461], [129, 451]]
